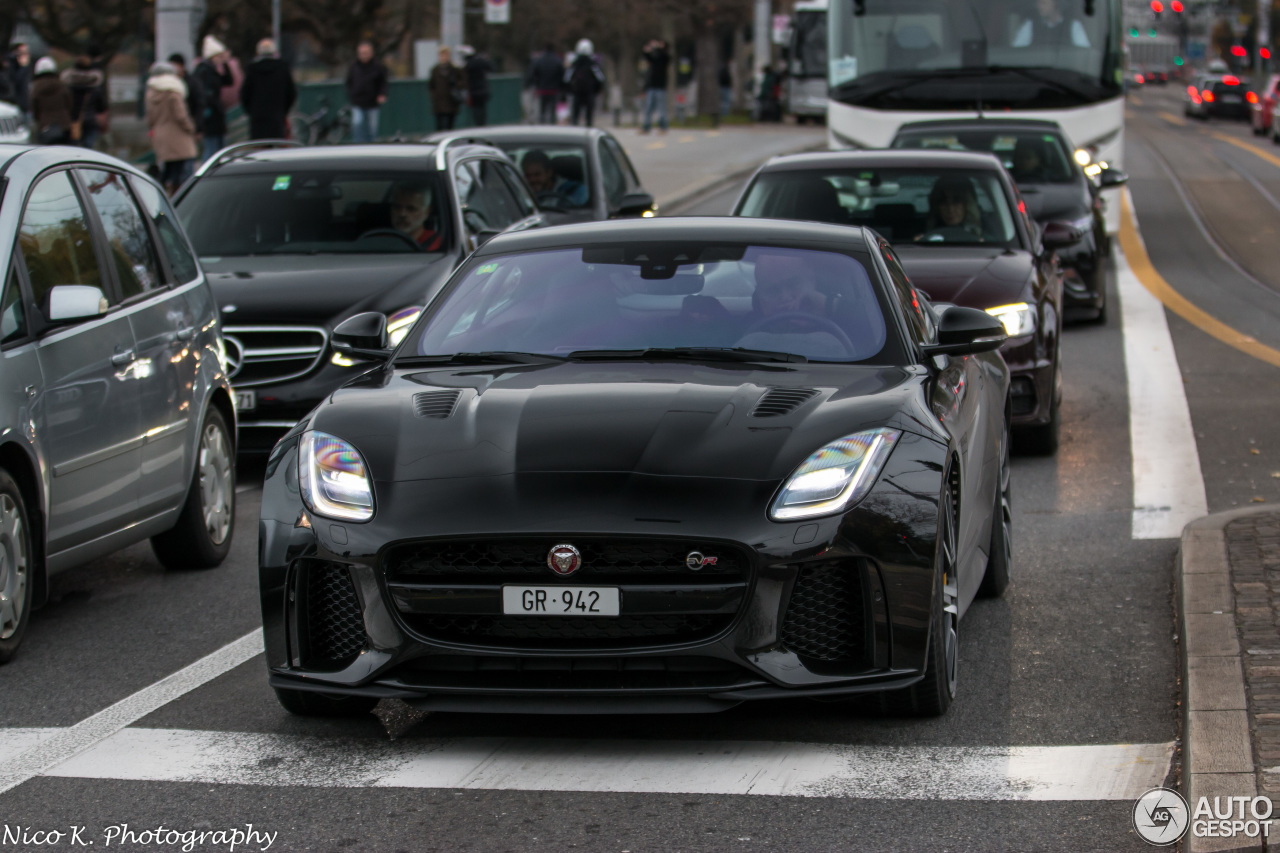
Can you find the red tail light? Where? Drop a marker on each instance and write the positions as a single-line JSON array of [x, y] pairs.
[[1207, 95], [1231, 80], [1022, 206], [1251, 97], [1193, 91], [1138, 78]]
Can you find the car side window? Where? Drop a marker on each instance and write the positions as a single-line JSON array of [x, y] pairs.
[[13, 316], [57, 246], [525, 201], [128, 241], [156, 207], [917, 317], [624, 163], [487, 202], [615, 185]]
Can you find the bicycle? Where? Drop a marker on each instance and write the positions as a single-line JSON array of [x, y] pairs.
[[323, 127]]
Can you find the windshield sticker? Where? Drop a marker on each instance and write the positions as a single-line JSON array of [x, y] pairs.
[[843, 69], [282, 183], [486, 269]]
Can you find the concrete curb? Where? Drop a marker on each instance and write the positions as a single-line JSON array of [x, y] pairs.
[[1217, 746]]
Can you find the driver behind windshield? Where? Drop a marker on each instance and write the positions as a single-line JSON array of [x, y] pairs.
[[1028, 163], [953, 212], [410, 211], [784, 286], [1050, 28], [543, 179]]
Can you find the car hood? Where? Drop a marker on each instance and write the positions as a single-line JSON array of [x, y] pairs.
[[1056, 202], [658, 419], [321, 289], [976, 277]]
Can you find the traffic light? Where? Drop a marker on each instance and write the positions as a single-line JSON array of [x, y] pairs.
[[1265, 53], [1152, 32], [1177, 60], [1238, 51], [1176, 7], [1133, 32], [1157, 6]]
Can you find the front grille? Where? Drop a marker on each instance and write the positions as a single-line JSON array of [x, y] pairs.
[[602, 558], [565, 632], [825, 618], [335, 626], [262, 355]]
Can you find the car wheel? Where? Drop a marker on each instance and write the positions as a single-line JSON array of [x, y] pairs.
[[17, 562], [202, 536], [306, 703], [1000, 561]]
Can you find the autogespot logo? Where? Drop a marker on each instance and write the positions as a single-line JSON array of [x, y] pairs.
[[1161, 816]]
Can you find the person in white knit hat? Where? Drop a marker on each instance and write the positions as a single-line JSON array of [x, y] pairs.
[[211, 75]]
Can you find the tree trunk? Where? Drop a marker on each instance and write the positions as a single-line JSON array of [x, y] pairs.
[[707, 56]]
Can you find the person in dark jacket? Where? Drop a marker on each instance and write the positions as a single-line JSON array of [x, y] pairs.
[[50, 105], [655, 84], [6, 81], [545, 78], [195, 92], [211, 75], [585, 81], [20, 78], [268, 93], [88, 89], [367, 91], [477, 69], [445, 84]]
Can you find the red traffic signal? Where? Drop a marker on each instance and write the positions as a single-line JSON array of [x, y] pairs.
[[1157, 6], [1265, 53], [1176, 6], [1239, 51]]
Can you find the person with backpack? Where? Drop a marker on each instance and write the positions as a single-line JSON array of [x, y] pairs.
[[477, 69], [585, 81]]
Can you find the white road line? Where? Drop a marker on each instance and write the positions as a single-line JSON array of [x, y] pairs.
[[1168, 487], [47, 752], [1117, 772], [14, 742]]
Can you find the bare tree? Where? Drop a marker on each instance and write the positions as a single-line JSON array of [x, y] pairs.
[[77, 26]]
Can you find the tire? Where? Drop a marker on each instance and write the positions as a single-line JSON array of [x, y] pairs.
[[202, 536], [305, 703], [1000, 559], [17, 567]]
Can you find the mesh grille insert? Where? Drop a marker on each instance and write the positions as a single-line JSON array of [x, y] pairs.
[[781, 401], [335, 626], [825, 618], [435, 404]]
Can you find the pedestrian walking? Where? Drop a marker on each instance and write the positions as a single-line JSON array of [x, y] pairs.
[[477, 70], [20, 78], [585, 81], [89, 108], [545, 77], [366, 91], [268, 93], [212, 75], [448, 88], [657, 60], [173, 133], [51, 107], [195, 92]]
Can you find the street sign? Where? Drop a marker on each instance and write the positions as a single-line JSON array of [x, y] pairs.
[[781, 29], [497, 11]]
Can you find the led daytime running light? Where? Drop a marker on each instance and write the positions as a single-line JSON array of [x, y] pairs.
[[399, 323], [333, 478], [1018, 319], [835, 477]]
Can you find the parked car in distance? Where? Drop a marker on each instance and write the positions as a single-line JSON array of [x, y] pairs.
[[1264, 109], [117, 422], [577, 174], [13, 130], [295, 240]]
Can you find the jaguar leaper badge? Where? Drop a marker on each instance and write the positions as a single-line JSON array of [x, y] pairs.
[[564, 559]]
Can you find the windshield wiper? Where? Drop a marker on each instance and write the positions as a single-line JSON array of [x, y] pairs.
[[738, 354], [490, 357]]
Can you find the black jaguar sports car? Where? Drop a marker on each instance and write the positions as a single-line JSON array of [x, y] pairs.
[[645, 467]]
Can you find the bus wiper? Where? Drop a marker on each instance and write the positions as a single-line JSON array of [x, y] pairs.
[[737, 354], [1032, 74], [489, 357]]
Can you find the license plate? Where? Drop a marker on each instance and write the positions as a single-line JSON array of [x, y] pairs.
[[1230, 99], [560, 601], [246, 401]]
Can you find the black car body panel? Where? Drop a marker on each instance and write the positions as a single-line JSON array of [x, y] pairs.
[[639, 464]]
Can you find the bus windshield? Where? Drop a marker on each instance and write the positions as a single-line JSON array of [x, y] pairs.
[[962, 54]]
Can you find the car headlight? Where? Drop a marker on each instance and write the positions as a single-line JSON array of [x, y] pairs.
[[1018, 319], [1084, 223], [333, 478], [836, 477], [399, 323], [1083, 156]]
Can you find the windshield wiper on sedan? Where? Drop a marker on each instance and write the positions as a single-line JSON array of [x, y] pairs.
[[738, 354], [489, 357]]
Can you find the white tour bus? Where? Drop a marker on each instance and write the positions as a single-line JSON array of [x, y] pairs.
[[807, 75]]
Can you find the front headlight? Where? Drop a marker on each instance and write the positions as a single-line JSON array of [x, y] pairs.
[[399, 323], [836, 477], [1018, 319], [1083, 156], [333, 478]]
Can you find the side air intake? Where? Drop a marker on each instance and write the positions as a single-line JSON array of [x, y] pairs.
[[435, 404], [781, 401]]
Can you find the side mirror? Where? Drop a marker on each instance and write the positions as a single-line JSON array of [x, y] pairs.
[[71, 303], [363, 336], [1112, 178], [1060, 235], [964, 331], [635, 204]]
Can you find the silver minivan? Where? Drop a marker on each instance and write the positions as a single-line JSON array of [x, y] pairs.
[[117, 422]]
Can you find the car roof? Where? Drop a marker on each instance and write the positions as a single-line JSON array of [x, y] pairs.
[[997, 124], [683, 229], [9, 151], [388, 156], [904, 158], [549, 134]]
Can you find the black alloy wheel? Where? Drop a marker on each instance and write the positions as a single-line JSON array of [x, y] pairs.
[[306, 703], [17, 566], [201, 538], [1000, 553]]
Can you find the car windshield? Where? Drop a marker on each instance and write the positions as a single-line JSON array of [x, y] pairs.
[[933, 207], [303, 212], [1031, 156], [643, 297], [555, 171]]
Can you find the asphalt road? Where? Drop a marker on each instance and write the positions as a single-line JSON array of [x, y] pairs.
[[1080, 652]]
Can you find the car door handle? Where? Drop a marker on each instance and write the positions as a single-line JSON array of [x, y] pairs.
[[120, 359]]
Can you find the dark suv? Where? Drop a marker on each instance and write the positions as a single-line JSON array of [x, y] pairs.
[[295, 240]]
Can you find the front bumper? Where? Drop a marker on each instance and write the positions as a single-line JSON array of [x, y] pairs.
[[408, 604], [1032, 379]]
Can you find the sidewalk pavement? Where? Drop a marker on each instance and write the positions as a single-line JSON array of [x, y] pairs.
[[681, 164], [1228, 600]]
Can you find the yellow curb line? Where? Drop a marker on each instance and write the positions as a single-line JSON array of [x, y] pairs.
[[1140, 262], [1173, 119], [1252, 149]]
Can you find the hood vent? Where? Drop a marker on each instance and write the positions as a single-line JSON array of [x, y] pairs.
[[435, 404], [781, 401]]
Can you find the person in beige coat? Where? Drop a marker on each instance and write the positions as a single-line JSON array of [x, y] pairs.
[[173, 134]]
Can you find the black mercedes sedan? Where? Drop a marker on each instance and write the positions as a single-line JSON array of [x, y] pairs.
[[1052, 181], [960, 235], [295, 240], [644, 467]]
